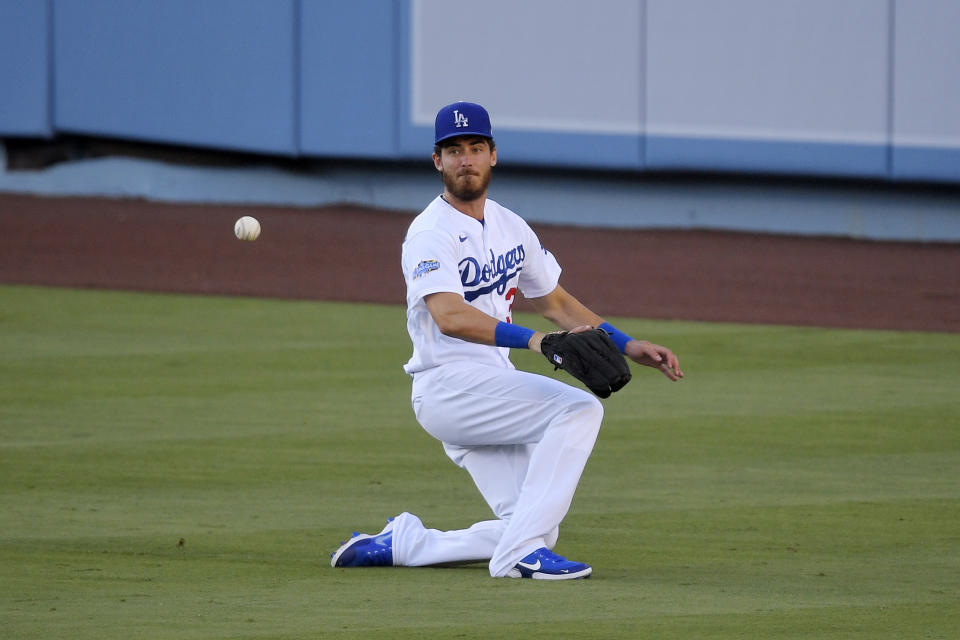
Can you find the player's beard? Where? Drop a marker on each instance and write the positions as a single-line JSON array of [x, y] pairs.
[[464, 191]]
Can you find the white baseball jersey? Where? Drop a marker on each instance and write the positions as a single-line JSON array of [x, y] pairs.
[[485, 262]]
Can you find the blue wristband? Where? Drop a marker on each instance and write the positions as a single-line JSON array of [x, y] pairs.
[[619, 337], [513, 336]]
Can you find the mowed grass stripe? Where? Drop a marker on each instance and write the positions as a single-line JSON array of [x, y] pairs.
[[799, 483]]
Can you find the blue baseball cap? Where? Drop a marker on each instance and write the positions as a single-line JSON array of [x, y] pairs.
[[462, 119]]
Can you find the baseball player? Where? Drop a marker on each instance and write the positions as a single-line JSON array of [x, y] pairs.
[[523, 438]]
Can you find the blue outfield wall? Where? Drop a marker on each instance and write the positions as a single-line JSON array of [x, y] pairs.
[[766, 156], [926, 163], [25, 97], [336, 79], [217, 73], [349, 91]]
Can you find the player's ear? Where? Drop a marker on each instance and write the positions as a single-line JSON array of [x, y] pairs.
[[493, 158], [437, 162]]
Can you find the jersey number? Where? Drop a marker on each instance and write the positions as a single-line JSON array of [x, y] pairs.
[[511, 297]]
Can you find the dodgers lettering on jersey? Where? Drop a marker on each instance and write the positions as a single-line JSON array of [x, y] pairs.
[[494, 276], [486, 263]]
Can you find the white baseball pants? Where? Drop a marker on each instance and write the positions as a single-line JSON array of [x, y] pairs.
[[524, 439]]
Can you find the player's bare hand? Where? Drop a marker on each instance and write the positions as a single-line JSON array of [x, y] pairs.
[[655, 356]]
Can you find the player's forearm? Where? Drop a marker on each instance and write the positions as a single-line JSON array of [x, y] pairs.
[[468, 324], [471, 324], [457, 319]]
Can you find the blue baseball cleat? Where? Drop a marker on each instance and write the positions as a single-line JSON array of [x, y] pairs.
[[365, 550], [544, 564]]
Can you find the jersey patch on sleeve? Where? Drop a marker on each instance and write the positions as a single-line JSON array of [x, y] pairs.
[[425, 267]]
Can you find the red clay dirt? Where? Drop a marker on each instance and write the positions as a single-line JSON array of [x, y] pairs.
[[353, 254]]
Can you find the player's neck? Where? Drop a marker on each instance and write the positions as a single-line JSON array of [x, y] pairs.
[[472, 208]]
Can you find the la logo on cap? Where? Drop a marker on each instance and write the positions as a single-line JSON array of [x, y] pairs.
[[460, 119]]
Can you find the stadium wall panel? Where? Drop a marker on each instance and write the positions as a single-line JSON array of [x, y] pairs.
[[215, 73], [25, 68], [860, 88]]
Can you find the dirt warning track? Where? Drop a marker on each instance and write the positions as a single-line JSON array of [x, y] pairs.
[[353, 254]]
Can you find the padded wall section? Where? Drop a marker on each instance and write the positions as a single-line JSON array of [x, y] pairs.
[[561, 79], [863, 88], [24, 68], [926, 113], [797, 86], [348, 78], [217, 73]]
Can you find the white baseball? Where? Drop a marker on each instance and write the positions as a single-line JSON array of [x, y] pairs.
[[247, 228]]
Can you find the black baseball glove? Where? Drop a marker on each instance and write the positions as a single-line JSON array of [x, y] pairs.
[[589, 356]]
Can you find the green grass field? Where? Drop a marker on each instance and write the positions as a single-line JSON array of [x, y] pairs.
[[800, 483]]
